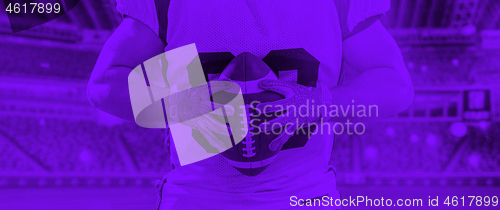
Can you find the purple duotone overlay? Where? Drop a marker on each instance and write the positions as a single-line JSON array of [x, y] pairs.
[[57, 151]]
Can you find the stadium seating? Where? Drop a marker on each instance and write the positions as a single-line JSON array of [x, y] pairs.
[[11, 158], [342, 153], [406, 147], [146, 147], [45, 62], [66, 145], [482, 150]]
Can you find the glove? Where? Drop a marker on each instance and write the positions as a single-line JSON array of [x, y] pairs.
[[296, 96]]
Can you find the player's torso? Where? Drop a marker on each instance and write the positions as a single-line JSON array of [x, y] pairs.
[[258, 27]]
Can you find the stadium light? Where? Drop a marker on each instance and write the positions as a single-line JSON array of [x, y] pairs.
[[414, 138], [458, 129], [432, 139], [474, 160], [483, 125], [468, 29]]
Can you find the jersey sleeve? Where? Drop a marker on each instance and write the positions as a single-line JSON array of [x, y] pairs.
[[142, 10], [356, 15]]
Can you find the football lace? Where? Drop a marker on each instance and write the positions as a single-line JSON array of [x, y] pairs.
[[247, 141]]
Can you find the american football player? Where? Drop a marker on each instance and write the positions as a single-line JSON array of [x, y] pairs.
[[318, 37]]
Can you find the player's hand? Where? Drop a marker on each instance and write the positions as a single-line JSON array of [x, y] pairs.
[[293, 118], [194, 108]]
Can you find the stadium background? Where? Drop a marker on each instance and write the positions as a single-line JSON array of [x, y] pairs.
[[58, 152]]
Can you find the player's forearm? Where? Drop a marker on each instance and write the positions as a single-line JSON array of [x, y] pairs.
[[376, 93], [109, 92]]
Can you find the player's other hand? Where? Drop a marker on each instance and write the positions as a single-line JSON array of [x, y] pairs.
[[194, 108], [197, 101], [300, 108]]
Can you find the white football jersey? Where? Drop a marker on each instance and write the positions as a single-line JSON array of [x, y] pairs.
[[260, 27]]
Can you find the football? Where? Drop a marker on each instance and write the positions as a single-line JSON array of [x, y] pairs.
[[252, 154]]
